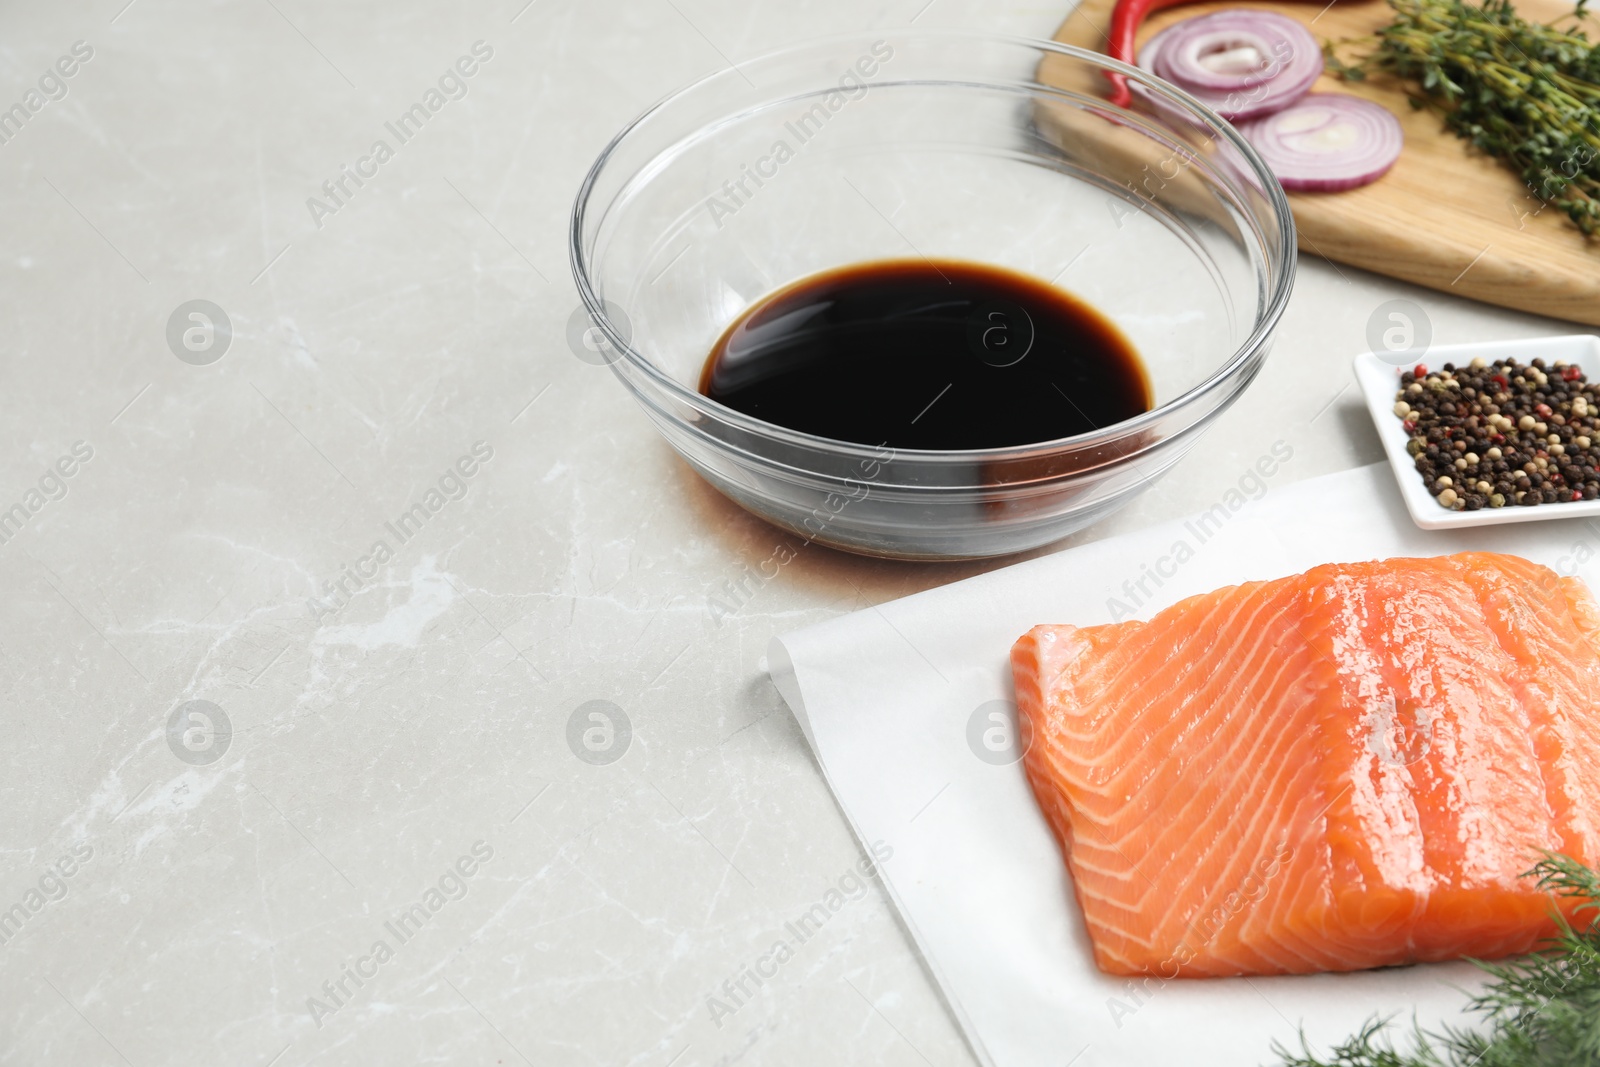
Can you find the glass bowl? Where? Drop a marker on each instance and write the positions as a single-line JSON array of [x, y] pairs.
[[998, 150]]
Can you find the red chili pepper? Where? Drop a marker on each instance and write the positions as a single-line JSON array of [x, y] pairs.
[[1543, 410], [1420, 370], [1571, 374], [1125, 20]]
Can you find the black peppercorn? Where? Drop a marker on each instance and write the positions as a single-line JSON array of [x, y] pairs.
[[1461, 413]]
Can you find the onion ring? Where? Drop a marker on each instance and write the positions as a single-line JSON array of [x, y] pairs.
[[1326, 142], [1288, 61]]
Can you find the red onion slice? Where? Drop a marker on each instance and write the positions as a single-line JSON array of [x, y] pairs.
[[1223, 59], [1239, 48], [1292, 63], [1327, 142]]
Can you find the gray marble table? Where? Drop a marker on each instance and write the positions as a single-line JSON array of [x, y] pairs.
[[289, 776]]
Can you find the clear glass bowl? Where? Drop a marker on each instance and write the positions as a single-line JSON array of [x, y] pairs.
[[993, 149]]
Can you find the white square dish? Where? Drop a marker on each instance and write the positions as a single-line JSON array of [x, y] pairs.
[[1378, 375]]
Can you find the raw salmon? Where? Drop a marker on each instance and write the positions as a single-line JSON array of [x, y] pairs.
[[1343, 769]]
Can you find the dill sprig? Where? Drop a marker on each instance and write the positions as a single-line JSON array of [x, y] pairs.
[[1540, 1010], [1524, 92]]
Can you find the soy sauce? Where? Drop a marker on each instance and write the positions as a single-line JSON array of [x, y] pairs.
[[923, 354]]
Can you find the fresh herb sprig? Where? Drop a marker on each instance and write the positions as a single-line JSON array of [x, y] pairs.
[[1541, 1010], [1524, 92]]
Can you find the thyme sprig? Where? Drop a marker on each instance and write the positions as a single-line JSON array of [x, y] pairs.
[[1540, 1010], [1524, 92]]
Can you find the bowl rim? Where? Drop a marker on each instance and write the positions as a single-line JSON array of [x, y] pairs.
[[1217, 126]]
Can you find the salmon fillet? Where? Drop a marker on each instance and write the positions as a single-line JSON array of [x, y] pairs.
[[1343, 769]]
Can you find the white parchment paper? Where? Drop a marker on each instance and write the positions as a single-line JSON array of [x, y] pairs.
[[885, 696]]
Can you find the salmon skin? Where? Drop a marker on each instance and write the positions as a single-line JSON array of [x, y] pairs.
[[1348, 768]]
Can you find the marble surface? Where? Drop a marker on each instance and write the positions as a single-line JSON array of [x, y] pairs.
[[229, 780]]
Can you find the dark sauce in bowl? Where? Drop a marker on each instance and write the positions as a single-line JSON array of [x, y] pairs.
[[927, 354]]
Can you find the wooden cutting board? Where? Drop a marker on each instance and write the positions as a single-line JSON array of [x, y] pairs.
[[1444, 217]]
